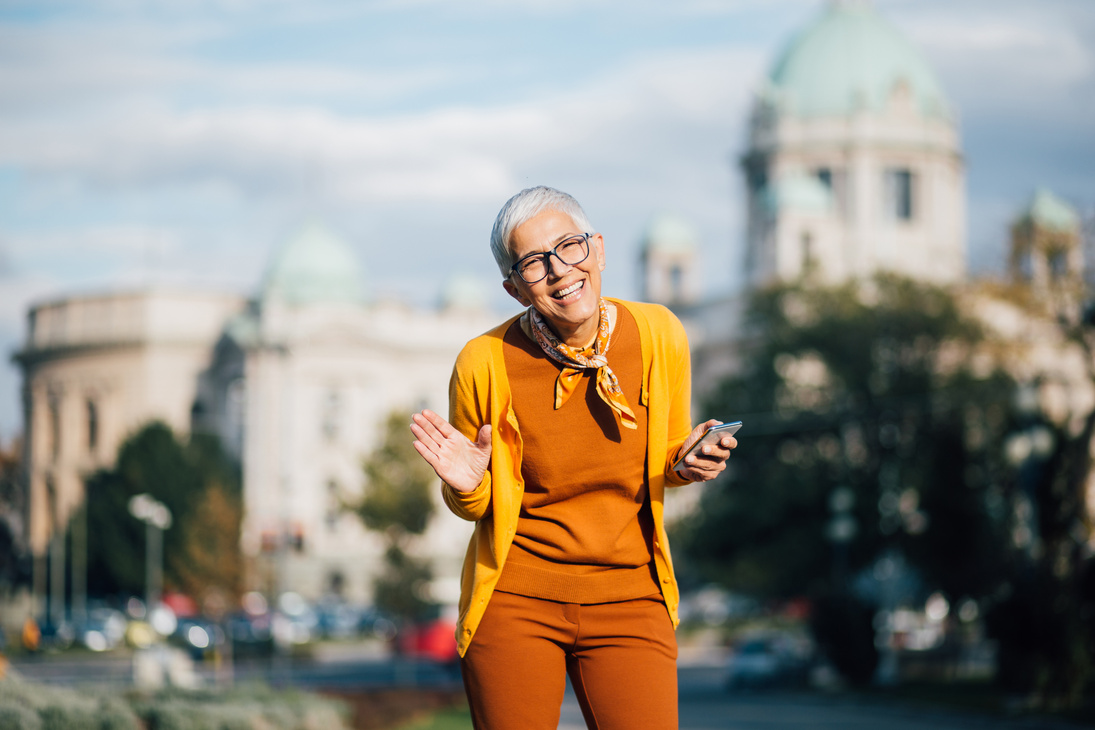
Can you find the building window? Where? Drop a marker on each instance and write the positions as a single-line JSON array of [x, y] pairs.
[[1057, 263], [809, 255], [676, 283], [334, 505], [54, 427], [835, 181], [898, 189], [92, 426], [331, 419], [296, 537]]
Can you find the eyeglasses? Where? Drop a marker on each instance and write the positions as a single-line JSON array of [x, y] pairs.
[[534, 267]]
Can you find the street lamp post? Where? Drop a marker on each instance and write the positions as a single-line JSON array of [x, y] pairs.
[[157, 518]]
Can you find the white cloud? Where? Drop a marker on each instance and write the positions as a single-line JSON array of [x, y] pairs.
[[439, 154], [1016, 63], [115, 239]]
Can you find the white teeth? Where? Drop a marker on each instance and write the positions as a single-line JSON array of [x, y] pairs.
[[562, 293]]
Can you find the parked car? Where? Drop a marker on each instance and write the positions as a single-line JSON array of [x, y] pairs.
[[199, 636], [337, 620], [769, 660], [250, 635], [434, 640], [373, 624], [104, 629]]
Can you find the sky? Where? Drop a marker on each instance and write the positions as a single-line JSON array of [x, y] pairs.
[[180, 142]]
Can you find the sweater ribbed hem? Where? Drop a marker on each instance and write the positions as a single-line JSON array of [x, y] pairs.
[[574, 584]]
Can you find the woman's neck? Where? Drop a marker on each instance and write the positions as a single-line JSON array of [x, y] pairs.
[[583, 342]]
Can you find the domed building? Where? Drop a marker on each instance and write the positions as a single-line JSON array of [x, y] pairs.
[[300, 388], [853, 163], [297, 383], [852, 166]]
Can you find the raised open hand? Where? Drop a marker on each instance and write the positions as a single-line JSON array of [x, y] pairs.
[[459, 461]]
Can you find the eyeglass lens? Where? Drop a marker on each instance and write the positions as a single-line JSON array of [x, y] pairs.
[[571, 252]]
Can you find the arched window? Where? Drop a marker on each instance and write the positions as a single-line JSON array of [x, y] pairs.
[[54, 426], [92, 426], [898, 190], [331, 418]]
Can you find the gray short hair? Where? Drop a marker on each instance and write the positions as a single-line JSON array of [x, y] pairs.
[[523, 207]]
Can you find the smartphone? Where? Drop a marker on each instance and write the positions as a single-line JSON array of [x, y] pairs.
[[710, 436]]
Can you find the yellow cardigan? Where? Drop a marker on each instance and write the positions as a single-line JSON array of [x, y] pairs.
[[479, 393]]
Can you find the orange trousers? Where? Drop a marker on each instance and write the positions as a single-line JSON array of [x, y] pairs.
[[621, 659]]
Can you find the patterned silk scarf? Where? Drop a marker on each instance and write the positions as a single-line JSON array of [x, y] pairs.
[[575, 361]]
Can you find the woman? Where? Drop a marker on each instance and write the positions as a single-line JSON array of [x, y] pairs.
[[563, 423]]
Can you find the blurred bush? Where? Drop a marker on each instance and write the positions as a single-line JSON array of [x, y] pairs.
[[26, 706]]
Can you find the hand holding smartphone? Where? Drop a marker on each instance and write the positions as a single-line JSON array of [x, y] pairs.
[[710, 436]]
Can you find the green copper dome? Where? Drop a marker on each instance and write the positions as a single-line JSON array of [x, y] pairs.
[[314, 266], [1048, 211], [848, 60], [464, 291], [671, 234]]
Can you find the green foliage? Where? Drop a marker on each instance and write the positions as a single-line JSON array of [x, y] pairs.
[[871, 388], [398, 503], [186, 478], [397, 483], [25, 706], [14, 561], [16, 717], [398, 591], [454, 719]]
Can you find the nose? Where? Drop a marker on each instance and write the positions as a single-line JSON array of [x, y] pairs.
[[552, 260]]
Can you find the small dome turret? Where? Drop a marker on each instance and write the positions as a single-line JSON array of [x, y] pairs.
[[668, 261]]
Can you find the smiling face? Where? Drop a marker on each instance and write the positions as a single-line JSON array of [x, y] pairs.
[[569, 296]]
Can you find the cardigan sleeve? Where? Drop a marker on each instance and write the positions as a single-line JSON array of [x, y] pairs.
[[679, 365], [468, 412]]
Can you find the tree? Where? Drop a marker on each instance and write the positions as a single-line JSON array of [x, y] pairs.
[[872, 391], [197, 483], [14, 557], [1045, 623], [398, 504]]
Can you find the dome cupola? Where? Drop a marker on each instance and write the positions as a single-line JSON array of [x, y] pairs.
[[854, 163], [850, 59], [314, 266]]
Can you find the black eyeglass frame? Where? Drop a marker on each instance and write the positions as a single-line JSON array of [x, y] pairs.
[[545, 256]]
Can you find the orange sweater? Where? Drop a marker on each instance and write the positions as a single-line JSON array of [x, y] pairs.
[[479, 393], [584, 532]]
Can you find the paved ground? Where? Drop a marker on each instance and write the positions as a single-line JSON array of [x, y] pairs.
[[779, 711]]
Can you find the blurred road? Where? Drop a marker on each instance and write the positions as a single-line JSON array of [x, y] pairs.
[[704, 702]]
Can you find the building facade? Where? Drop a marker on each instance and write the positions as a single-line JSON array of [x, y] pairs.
[[297, 382], [299, 390], [95, 369], [853, 162], [852, 166]]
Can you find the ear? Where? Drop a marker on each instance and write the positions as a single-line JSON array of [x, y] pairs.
[[598, 242], [514, 292]]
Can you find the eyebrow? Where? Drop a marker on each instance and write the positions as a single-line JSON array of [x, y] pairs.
[[555, 243]]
